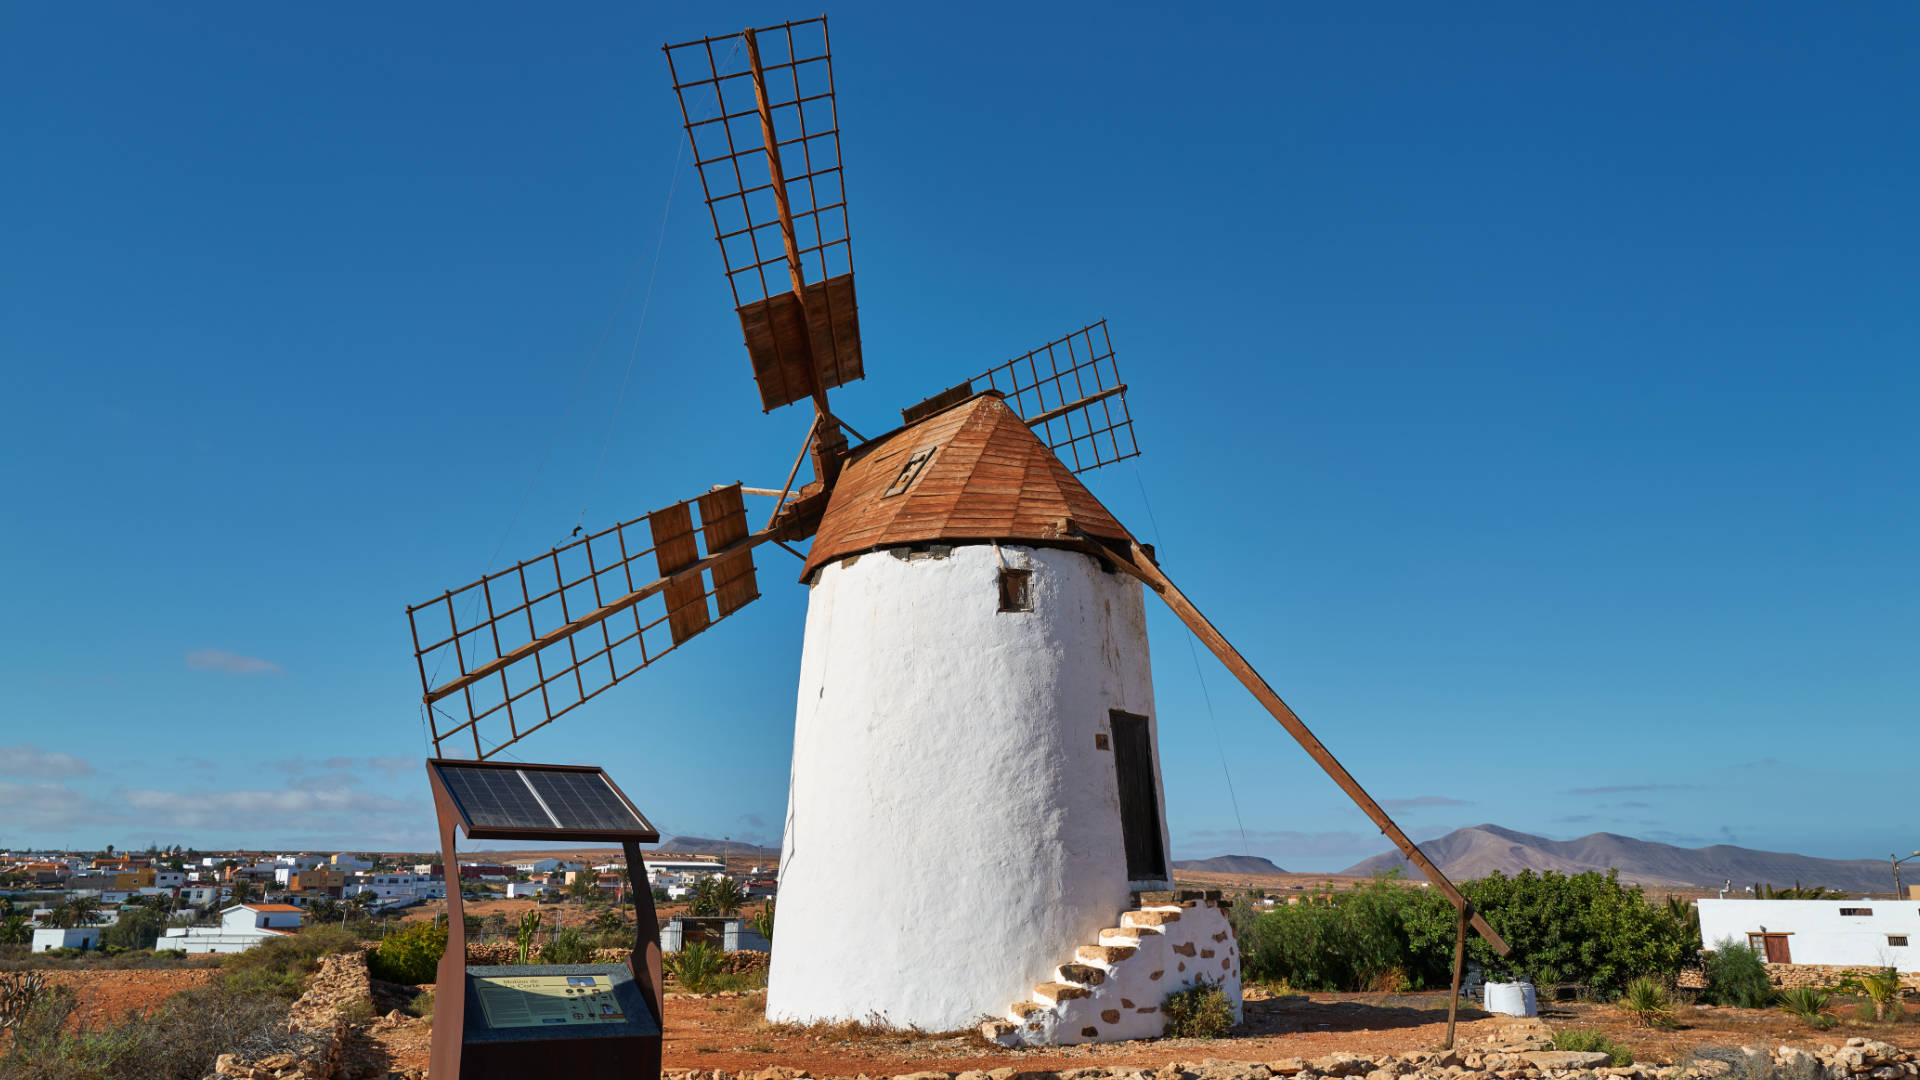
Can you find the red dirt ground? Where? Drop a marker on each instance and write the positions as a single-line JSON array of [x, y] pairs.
[[728, 1033], [107, 995]]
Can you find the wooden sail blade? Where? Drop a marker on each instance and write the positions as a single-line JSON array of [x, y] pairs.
[[1069, 391], [510, 653], [760, 114], [1143, 567]]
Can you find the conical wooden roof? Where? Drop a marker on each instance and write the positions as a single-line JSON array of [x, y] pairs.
[[988, 478]]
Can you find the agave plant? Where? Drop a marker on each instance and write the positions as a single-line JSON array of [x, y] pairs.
[[1808, 1004], [1647, 1001]]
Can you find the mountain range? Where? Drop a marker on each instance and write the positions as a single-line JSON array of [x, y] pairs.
[[1230, 864], [701, 845], [1482, 849]]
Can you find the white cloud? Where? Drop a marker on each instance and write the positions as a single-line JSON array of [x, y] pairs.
[[284, 803], [231, 663], [43, 807], [27, 759]]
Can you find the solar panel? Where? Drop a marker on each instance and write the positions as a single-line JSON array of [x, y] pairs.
[[508, 801], [582, 801], [495, 798]]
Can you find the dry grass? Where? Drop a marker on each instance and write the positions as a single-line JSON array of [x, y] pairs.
[[747, 1015]]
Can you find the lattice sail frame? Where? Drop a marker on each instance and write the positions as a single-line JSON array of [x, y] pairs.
[[721, 108], [560, 628], [1078, 405]]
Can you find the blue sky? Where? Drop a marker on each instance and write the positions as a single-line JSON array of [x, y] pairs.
[[1529, 392]]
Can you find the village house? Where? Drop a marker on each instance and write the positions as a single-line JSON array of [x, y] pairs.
[[242, 926], [48, 938], [1866, 933]]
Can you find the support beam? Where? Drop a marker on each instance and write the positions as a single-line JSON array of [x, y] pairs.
[[1459, 964], [1143, 567]]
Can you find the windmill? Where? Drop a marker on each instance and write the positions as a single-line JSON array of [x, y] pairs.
[[975, 797]]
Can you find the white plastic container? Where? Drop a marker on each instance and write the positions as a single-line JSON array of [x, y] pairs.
[[1512, 999]]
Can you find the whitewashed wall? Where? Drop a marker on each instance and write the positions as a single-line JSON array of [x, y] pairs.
[[1821, 935], [953, 832]]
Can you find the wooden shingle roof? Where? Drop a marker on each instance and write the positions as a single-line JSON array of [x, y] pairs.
[[987, 478]]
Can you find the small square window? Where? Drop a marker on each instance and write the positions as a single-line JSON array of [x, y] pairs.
[[1016, 590], [1897, 939]]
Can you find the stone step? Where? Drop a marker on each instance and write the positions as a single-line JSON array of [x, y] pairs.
[[1154, 919], [1023, 1009], [1125, 936], [1104, 954], [1084, 974], [1052, 993]]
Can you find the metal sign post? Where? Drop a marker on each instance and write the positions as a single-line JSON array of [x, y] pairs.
[[511, 1021]]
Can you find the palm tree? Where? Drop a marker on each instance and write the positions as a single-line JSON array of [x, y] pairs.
[[716, 896], [77, 912]]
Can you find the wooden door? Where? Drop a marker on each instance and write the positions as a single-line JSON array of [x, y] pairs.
[[1139, 797], [1773, 945]]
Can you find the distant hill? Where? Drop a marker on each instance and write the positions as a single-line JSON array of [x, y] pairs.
[[700, 845], [1230, 864], [1482, 849]]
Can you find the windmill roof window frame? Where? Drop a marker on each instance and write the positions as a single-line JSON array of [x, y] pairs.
[[911, 470]]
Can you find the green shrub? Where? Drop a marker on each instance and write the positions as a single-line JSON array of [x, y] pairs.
[[410, 956], [695, 967], [1808, 1004], [1588, 1041], [279, 966], [1736, 976], [570, 946], [1647, 1001], [1352, 943], [421, 1005], [1587, 929], [1200, 1011]]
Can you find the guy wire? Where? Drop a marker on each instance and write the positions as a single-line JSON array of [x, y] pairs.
[[1194, 653]]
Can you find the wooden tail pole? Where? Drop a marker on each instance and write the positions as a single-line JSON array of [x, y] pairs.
[[1459, 963], [1143, 567]]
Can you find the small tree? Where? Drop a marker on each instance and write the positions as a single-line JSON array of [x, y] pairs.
[[138, 928], [763, 922]]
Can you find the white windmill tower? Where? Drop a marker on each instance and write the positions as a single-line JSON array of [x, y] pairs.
[[975, 817]]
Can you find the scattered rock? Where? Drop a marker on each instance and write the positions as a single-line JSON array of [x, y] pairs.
[[1568, 1059]]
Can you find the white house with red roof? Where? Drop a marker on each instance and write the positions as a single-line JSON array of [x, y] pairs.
[[242, 926]]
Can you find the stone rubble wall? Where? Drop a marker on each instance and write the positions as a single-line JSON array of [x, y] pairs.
[[1790, 976], [340, 983], [1820, 976]]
